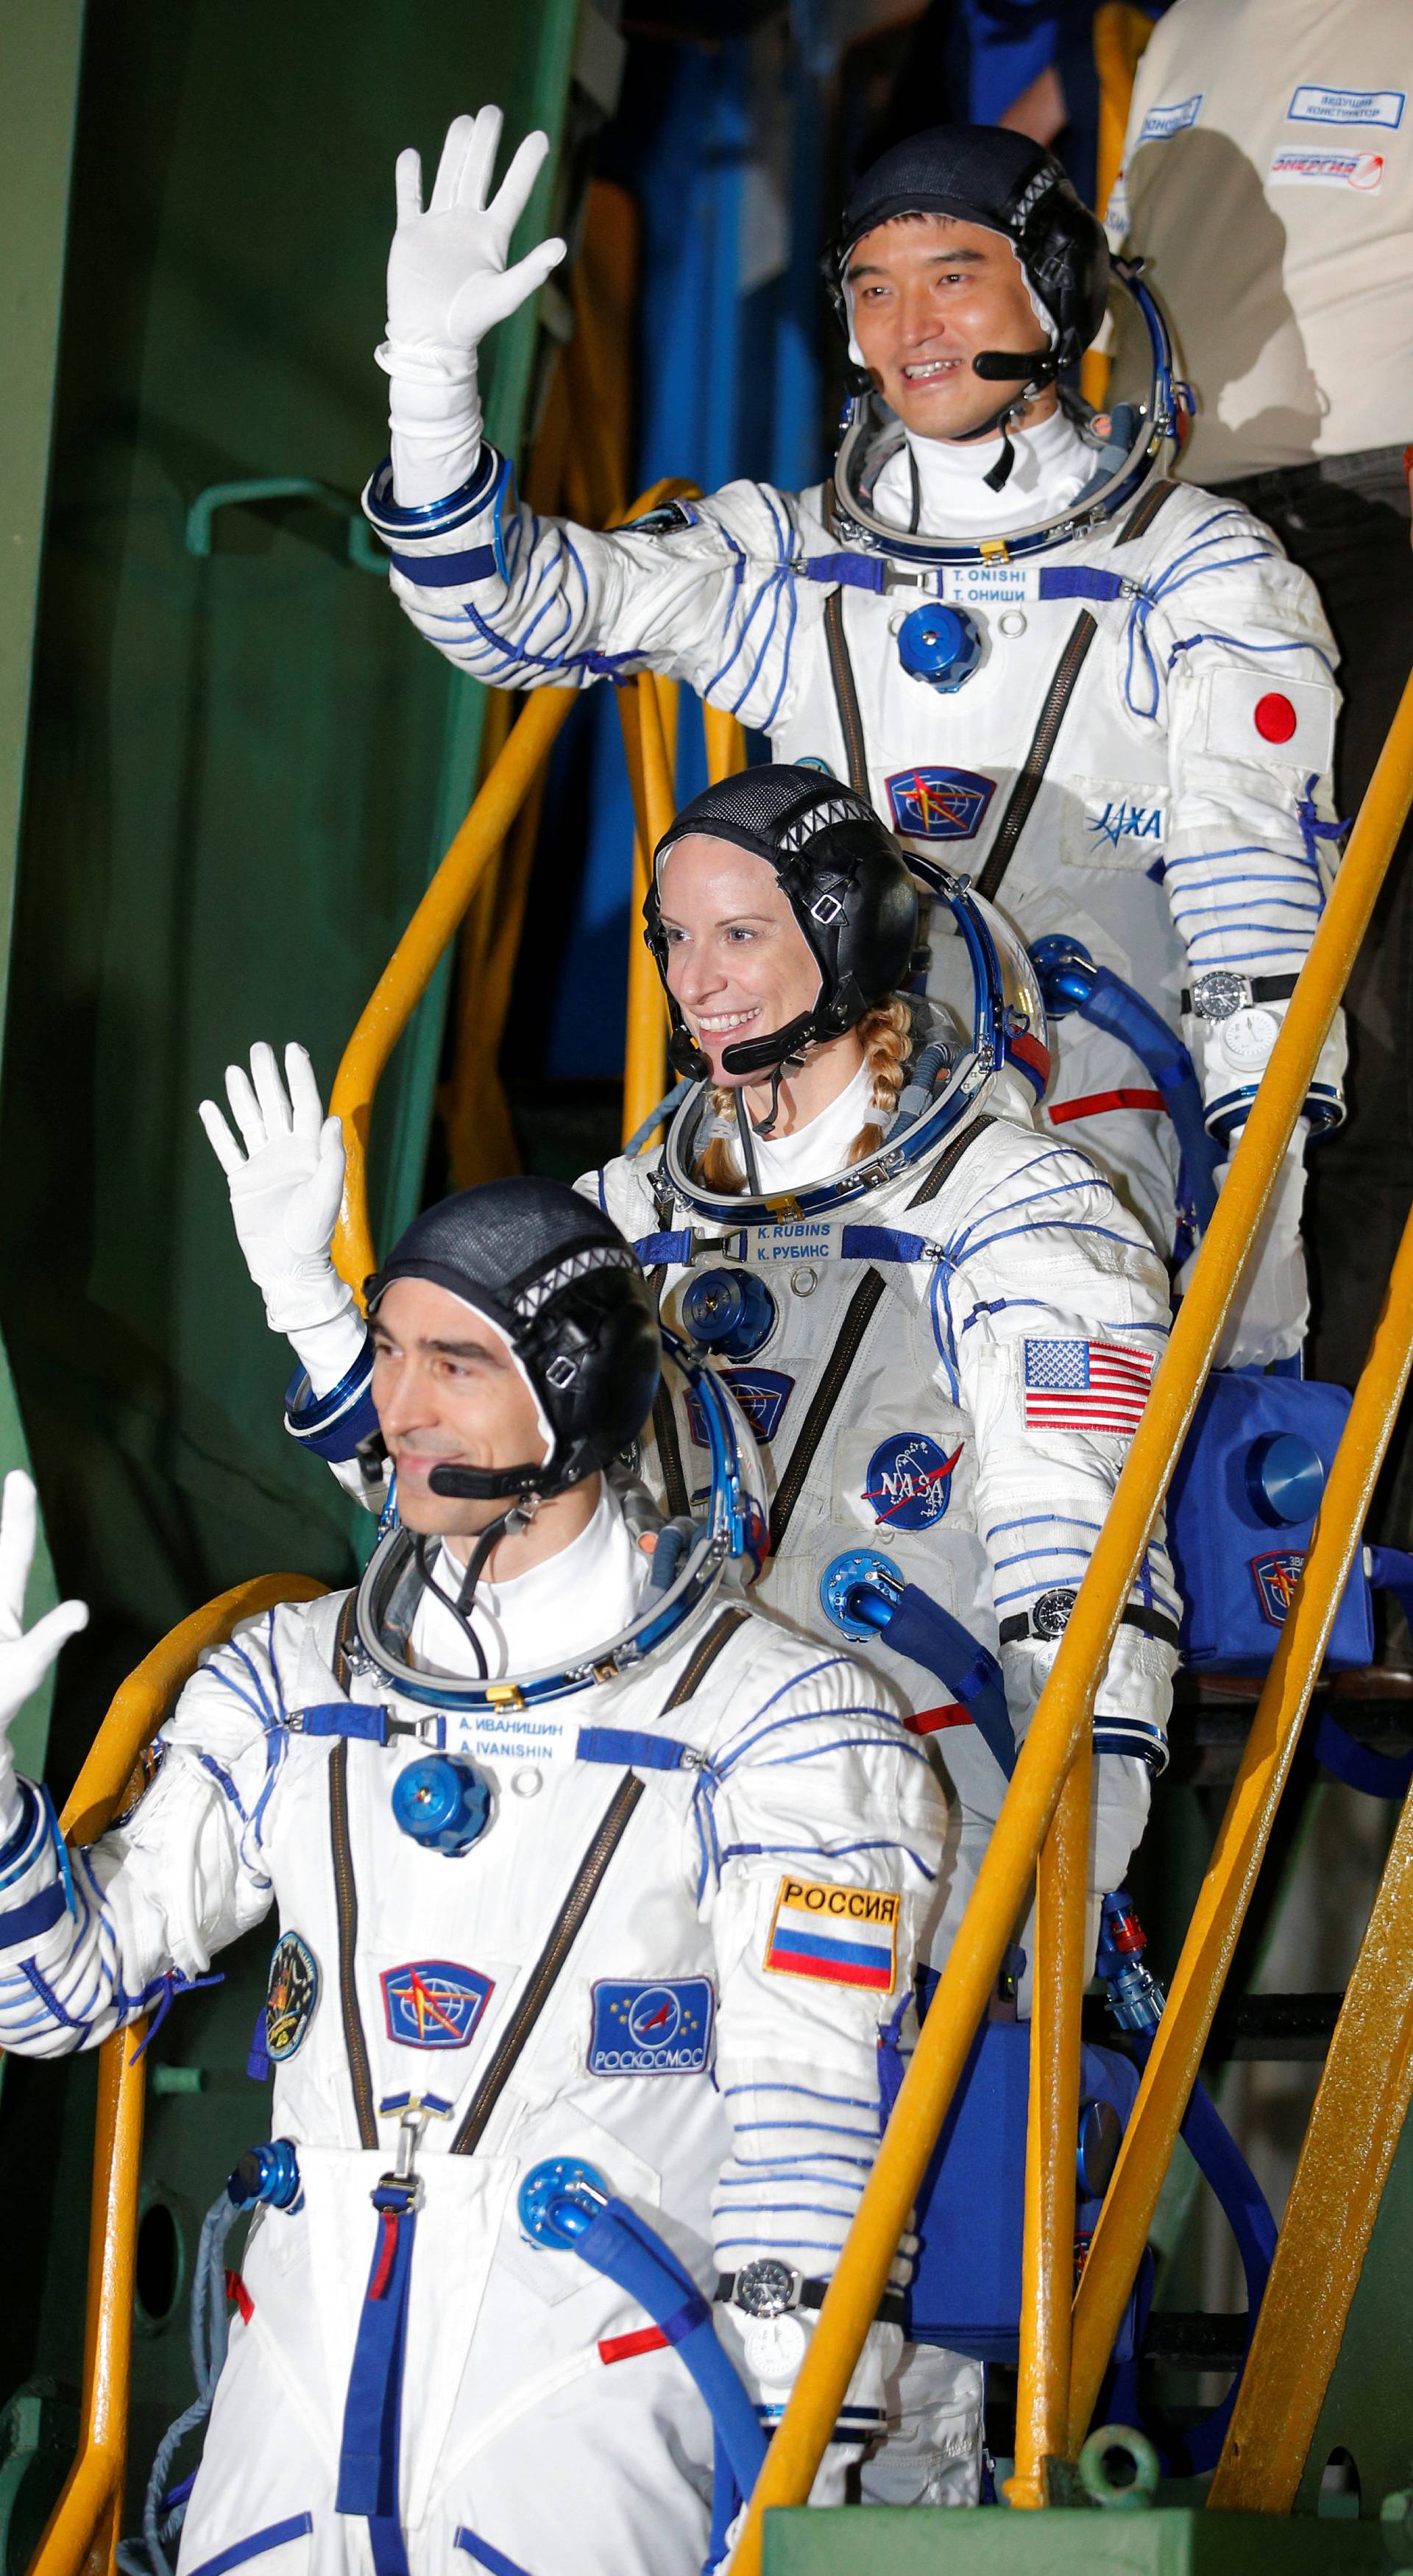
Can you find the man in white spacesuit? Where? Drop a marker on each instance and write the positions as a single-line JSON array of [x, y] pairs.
[[942, 1325], [1109, 695], [645, 1871]]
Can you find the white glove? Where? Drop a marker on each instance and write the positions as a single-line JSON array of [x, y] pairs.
[[286, 1189], [1271, 1313], [24, 1658], [448, 285]]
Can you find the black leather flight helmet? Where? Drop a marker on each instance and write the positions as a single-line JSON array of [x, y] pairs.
[[846, 882], [556, 1277], [985, 174]]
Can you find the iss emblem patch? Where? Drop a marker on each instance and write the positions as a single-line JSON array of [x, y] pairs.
[[909, 1480], [290, 1997], [1276, 1575], [662, 2028], [433, 2003], [939, 804]]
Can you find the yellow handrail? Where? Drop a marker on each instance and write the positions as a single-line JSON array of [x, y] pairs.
[[414, 961], [645, 1060], [1047, 2263], [1226, 1889], [82, 2532], [1065, 1705], [1120, 36], [1364, 2091]]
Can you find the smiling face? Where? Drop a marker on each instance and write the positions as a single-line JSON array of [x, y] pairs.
[[927, 294], [738, 963], [447, 1393]]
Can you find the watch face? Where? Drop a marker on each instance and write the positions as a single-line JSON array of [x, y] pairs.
[[1216, 996], [765, 2288], [774, 2348], [1051, 1614]]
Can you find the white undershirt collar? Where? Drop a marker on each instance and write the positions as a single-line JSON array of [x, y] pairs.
[[551, 1616], [1053, 464]]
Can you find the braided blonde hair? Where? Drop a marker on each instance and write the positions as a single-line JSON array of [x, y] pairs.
[[885, 1034]]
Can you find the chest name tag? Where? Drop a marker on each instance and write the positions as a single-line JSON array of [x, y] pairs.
[[841, 1936], [508, 1732], [1312, 105], [433, 2003], [659, 2027]]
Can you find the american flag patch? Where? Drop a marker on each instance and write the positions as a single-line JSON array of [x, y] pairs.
[[1085, 1386], [845, 1936]]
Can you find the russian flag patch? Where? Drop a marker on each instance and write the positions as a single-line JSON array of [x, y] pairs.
[[842, 1936]]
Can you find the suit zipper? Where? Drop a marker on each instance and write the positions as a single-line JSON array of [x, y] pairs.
[[1027, 785], [346, 1902]]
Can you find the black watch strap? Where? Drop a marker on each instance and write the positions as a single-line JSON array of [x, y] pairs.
[[889, 2312], [1264, 988], [1048, 1621]]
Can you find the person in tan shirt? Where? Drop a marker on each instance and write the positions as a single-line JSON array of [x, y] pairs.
[[1268, 185]]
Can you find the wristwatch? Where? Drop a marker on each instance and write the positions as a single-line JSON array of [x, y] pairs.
[[769, 2288], [1223, 990]]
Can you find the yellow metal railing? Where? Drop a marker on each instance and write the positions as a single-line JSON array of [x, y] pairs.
[[83, 2529], [1062, 1717], [1120, 36]]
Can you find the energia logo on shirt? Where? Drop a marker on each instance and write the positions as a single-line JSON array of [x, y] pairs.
[[1363, 171], [842, 1936]]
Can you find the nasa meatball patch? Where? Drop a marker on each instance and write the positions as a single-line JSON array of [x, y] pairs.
[[290, 1998], [658, 2028]]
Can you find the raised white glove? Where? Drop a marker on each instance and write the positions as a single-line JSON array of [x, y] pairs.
[[285, 1193], [448, 285], [1271, 1315], [25, 1658]]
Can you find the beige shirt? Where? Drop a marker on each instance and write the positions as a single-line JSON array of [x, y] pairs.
[[1268, 183]]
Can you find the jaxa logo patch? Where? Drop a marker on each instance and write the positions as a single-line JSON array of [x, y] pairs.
[[290, 1998], [939, 804], [909, 1481], [660, 2029], [1276, 1576], [433, 2003], [762, 1395]]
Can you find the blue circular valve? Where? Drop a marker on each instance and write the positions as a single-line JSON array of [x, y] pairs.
[[1285, 1477], [557, 2201], [442, 1802], [859, 1573], [1066, 972], [940, 645], [729, 1311], [269, 2173]]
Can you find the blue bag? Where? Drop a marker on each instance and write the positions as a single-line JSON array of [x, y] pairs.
[[965, 2292], [1241, 1511]]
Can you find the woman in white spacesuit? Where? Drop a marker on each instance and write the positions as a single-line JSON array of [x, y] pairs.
[[537, 1800], [941, 1323]]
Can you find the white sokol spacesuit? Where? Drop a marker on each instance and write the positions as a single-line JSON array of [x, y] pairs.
[[943, 1351], [693, 1862], [1109, 695]]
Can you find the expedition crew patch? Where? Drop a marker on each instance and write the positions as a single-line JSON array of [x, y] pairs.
[[290, 1997], [843, 1936], [939, 804], [909, 1480], [658, 2028], [1276, 1575], [433, 2003]]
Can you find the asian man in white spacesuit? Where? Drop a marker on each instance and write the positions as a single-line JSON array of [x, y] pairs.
[[644, 1871], [942, 1324], [1107, 696]]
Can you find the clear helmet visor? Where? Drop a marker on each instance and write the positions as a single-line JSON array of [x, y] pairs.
[[982, 977]]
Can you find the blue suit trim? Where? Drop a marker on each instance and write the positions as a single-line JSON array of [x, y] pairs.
[[255, 2544]]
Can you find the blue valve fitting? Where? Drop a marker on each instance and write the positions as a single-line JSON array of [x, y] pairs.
[[268, 2173], [1136, 1999], [442, 1802], [1285, 1477], [730, 1312], [1066, 971], [559, 2199], [860, 1592], [940, 645]]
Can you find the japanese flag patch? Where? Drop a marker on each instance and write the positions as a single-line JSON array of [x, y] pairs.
[[1257, 715], [841, 1936]]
